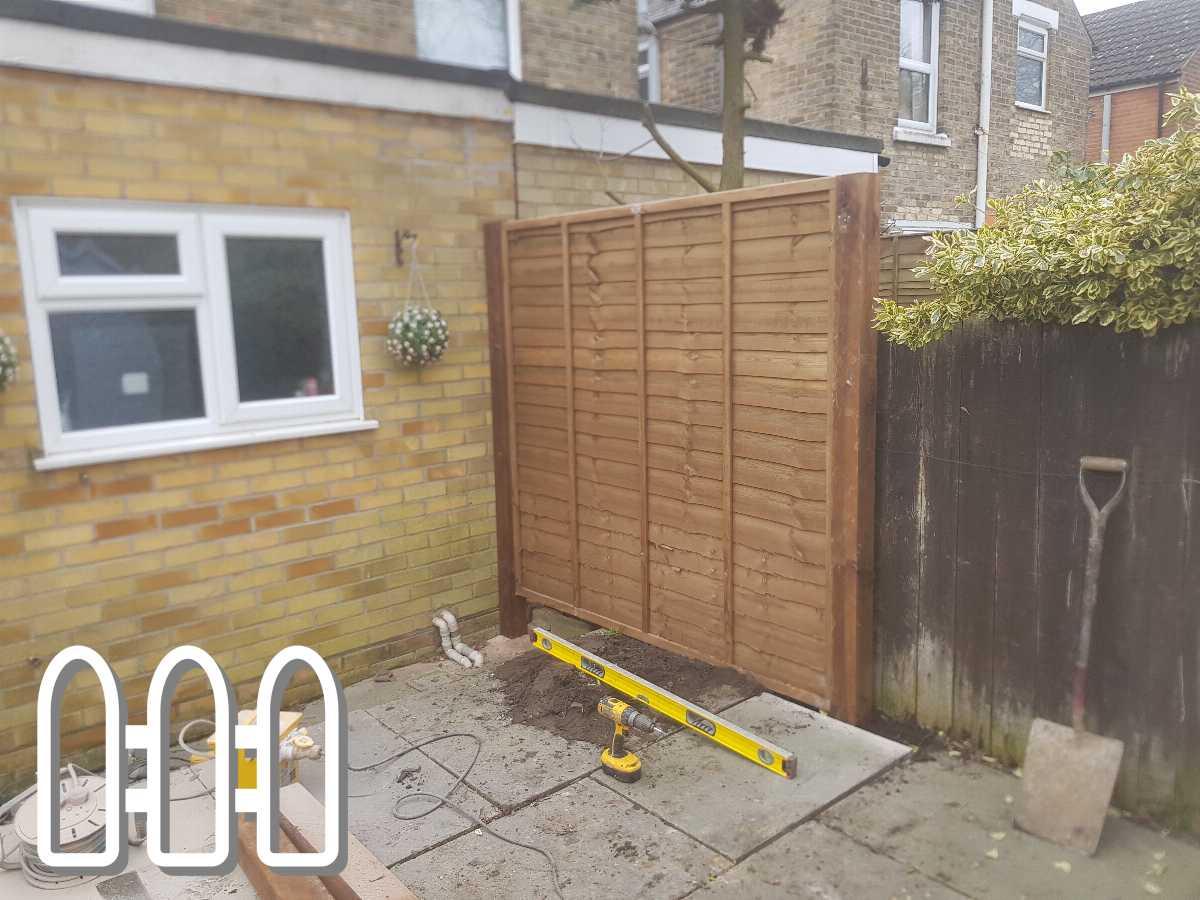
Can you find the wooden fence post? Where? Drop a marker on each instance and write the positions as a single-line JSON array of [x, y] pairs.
[[852, 444], [514, 611]]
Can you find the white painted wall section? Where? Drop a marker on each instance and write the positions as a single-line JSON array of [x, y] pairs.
[[611, 136]]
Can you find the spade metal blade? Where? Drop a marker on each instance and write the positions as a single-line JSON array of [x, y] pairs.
[[1069, 779]]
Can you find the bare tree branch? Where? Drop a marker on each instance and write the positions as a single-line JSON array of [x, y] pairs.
[[690, 170]]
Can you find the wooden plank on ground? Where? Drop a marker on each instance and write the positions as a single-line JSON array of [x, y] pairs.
[[271, 885], [365, 877]]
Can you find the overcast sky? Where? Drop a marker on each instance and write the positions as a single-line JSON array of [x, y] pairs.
[[1091, 6]]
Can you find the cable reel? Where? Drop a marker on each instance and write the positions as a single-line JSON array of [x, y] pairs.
[[81, 819]]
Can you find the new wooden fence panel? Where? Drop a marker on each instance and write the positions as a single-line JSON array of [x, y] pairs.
[[687, 383]]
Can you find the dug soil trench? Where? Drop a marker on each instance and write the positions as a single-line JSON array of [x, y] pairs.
[[546, 693]]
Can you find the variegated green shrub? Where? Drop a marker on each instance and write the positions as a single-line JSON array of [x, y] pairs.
[[1111, 245]]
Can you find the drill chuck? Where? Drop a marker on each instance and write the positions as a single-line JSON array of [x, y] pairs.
[[623, 714]]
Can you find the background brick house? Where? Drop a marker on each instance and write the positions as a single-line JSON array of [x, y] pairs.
[[169, 475], [837, 64], [1141, 53]]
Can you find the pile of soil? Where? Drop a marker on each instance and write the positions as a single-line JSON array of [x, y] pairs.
[[547, 693]]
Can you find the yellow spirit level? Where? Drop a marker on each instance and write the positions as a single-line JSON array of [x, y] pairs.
[[730, 736]]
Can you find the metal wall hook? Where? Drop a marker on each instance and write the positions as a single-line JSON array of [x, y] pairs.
[[401, 237]]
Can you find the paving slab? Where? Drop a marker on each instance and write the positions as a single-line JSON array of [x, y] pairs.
[[603, 845], [813, 862], [373, 794], [944, 817], [735, 806], [234, 886], [518, 763]]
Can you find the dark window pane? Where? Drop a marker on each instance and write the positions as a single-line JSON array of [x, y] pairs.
[[643, 56], [1030, 73], [125, 368], [916, 30], [280, 317], [1031, 40], [914, 96], [465, 32], [117, 254], [644, 87]]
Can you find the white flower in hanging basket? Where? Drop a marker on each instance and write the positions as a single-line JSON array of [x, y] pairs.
[[418, 335], [8, 361]]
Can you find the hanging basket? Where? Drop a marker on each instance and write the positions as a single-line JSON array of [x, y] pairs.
[[8, 361], [418, 336]]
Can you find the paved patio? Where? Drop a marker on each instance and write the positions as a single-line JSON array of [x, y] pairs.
[[859, 821]]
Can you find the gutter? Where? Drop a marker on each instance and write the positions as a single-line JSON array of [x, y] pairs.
[[1141, 81]]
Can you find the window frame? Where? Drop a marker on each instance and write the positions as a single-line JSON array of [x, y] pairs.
[[648, 41], [204, 289], [651, 71], [934, 10], [1024, 24]]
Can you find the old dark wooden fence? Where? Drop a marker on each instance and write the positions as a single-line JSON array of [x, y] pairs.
[[981, 536]]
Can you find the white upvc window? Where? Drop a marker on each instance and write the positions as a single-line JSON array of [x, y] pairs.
[[648, 66], [161, 328], [1033, 45], [649, 78], [919, 20]]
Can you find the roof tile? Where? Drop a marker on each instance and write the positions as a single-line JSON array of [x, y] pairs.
[[1144, 41]]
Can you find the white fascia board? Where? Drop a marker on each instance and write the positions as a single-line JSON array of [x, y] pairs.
[[1027, 9], [544, 126], [33, 45]]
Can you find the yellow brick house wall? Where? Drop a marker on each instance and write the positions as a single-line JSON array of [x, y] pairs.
[[344, 543]]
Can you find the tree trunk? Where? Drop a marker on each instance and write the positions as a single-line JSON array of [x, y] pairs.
[[733, 94]]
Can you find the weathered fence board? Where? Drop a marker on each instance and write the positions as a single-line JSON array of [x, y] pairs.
[[981, 536], [687, 418]]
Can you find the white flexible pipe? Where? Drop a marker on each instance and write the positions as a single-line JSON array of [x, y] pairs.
[[452, 623], [448, 645]]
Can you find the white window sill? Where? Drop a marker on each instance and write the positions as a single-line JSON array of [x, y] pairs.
[[73, 458], [917, 136], [1032, 108]]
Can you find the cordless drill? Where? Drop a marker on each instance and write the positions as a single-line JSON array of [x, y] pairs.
[[618, 762]]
